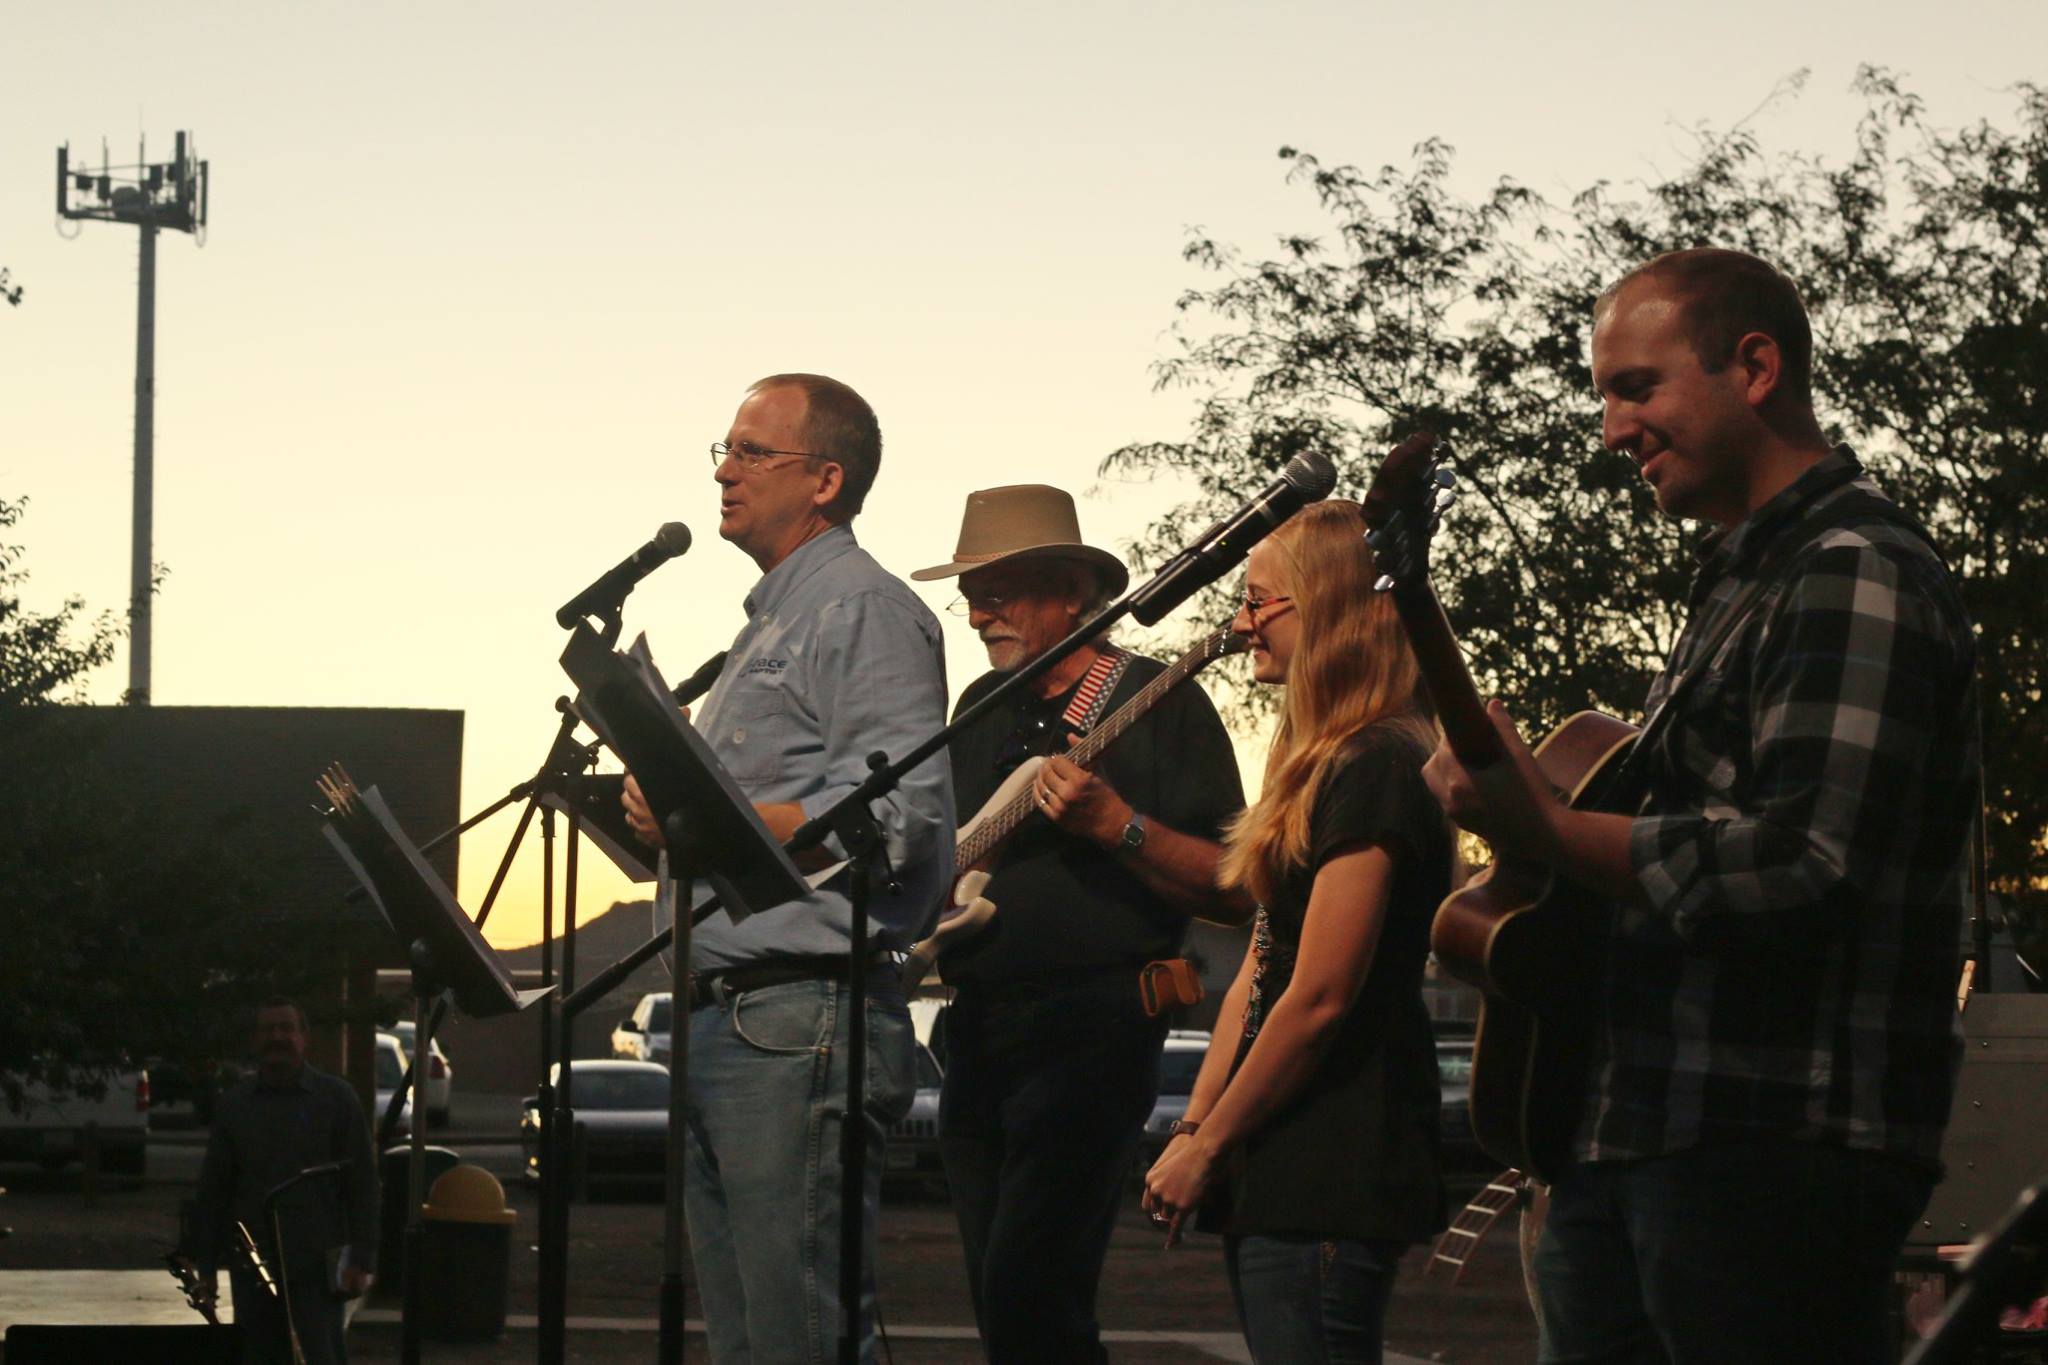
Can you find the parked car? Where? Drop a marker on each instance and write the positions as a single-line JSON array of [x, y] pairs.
[[1179, 1064], [914, 1139], [439, 1082], [390, 1075], [49, 1126], [622, 1107], [643, 1035]]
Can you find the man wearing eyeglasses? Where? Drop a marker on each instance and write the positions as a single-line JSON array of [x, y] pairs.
[[838, 659], [1052, 1060]]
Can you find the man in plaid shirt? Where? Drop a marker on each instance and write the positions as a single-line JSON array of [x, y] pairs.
[[1777, 1033]]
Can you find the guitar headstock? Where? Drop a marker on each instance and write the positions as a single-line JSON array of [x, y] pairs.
[[1405, 505]]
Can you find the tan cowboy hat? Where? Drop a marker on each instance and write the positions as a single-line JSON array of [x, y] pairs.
[[1024, 521]]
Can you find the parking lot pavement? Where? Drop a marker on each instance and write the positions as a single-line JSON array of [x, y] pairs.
[[1156, 1306]]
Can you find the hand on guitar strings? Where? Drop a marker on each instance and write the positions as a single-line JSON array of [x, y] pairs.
[[1510, 803], [1080, 802]]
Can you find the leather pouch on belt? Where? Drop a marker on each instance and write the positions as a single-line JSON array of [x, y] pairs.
[[1168, 984]]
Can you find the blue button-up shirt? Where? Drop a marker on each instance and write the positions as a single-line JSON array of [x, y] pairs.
[[838, 659]]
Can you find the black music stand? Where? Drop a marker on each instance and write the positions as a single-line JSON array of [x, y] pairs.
[[713, 833], [594, 805], [445, 953]]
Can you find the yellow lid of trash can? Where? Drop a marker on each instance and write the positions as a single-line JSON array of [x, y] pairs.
[[468, 1194]]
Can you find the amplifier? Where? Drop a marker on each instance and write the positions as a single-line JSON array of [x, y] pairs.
[[1997, 1142]]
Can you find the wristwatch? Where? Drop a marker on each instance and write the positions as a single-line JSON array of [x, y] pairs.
[[1133, 837]]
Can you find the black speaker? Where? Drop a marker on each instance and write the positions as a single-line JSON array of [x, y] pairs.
[[196, 1343], [1997, 1142]]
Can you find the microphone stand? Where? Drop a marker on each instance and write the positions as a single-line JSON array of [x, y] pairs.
[[558, 774]]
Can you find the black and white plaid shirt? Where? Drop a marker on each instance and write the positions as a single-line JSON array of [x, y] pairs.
[[1802, 846]]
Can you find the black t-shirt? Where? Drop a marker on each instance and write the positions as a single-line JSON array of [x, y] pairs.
[[1063, 904], [1354, 1153]]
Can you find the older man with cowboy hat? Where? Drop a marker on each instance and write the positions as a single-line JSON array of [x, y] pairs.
[[1053, 1060]]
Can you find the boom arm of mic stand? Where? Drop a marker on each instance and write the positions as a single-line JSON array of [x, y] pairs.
[[888, 776]]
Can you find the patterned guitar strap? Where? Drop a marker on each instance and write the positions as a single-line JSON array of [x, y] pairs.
[[1091, 698]]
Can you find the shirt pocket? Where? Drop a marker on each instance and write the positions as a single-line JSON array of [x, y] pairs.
[[755, 735]]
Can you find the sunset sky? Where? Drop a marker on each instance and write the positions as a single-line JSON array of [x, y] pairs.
[[483, 280]]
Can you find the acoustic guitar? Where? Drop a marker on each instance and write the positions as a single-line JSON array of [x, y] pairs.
[[1528, 939], [982, 837]]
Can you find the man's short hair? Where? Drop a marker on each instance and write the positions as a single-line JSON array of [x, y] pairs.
[[1723, 296], [839, 425], [280, 1002]]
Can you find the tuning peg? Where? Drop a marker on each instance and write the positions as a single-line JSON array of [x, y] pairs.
[[1376, 538], [1445, 476], [1383, 583]]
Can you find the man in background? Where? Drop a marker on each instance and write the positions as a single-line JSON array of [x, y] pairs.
[[286, 1119]]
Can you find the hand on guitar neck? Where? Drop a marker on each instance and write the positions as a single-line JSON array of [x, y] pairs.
[[1503, 796]]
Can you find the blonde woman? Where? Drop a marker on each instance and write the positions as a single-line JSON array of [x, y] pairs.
[[1310, 1138]]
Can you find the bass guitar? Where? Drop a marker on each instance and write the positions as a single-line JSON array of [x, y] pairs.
[[982, 837], [1528, 939]]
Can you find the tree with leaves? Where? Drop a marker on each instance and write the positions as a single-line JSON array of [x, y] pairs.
[[1923, 257]]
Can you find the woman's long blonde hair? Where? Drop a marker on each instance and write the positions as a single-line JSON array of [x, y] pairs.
[[1352, 669]]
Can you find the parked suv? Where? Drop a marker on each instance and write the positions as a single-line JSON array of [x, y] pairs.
[[643, 1035], [1179, 1064]]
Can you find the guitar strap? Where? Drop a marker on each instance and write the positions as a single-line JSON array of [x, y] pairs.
[[1091, 698]]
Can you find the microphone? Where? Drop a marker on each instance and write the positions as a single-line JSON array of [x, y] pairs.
[[608, 592], [1308, 477], [698, 683]]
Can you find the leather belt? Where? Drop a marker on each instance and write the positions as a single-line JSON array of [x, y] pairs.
[[720, 987]]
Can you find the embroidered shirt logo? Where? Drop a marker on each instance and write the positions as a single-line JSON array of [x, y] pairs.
[[775, 666]]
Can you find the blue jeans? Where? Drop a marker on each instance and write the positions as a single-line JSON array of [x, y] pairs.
[[1307, 1301], [767, 1099], [1754, 1252]]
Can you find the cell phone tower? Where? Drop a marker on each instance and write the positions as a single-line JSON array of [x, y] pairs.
[[150, 196]]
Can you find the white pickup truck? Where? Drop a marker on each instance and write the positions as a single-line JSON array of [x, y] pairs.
[[50, 1127], [643, 1035]]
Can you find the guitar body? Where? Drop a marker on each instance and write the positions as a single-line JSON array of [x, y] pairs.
[[1531, 942]]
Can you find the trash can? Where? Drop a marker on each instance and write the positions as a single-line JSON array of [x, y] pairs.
[[466, 1257], [391, 1174]]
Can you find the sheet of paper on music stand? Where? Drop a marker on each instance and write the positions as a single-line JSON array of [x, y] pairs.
[[417, 904], [625, 700]]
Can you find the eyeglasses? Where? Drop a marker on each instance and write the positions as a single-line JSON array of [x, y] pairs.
[[991, 602], [752, 457], [1255, 604]]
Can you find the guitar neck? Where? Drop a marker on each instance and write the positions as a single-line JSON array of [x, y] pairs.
[[1467, 728], [991, 833]]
